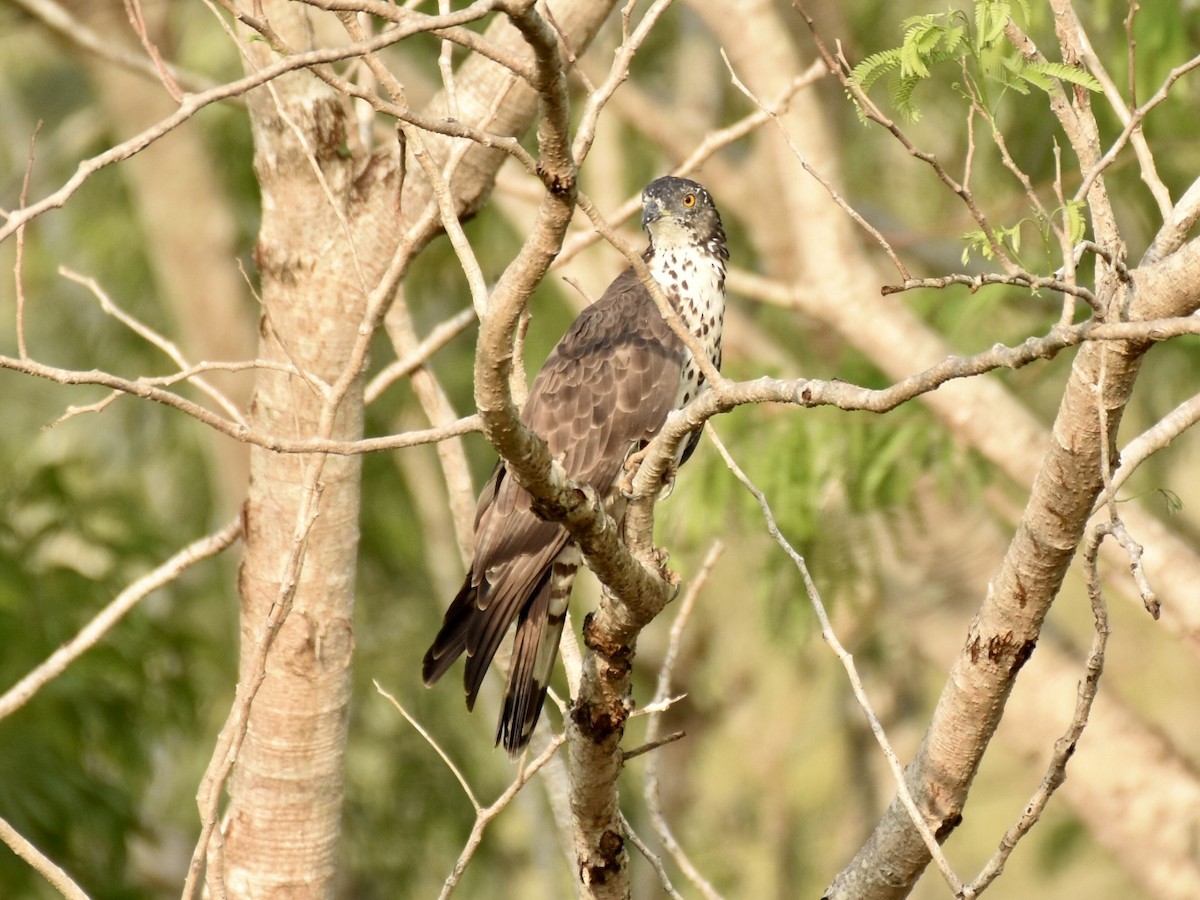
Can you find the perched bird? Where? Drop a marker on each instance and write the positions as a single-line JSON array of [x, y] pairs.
[[605, 391]]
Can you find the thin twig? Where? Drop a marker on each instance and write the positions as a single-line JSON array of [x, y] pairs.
[[438, 180], [837, 198], [483, 817], [1122, 109], [446, 66], [662, 694], [1177, 226], [1157, 437], [651, 857], [210, 545], [586, 131], [1134, 124], [440, 412], [847, 661], [699, 154], [464, 37], [41, 863], [237, 722], [72, 29], [147, 389], [137, 18], [148, 334], [429, 739], [1064, 747], [648, 746], [975, 282], [19, 264], [193, 103], [872, 112], [1116, 527]]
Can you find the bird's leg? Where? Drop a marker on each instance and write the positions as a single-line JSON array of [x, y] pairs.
[[633, 462]]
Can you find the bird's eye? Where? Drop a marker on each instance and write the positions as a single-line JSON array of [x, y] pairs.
[[689, 200]]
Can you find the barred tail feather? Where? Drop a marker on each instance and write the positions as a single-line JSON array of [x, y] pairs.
[[539, 632]]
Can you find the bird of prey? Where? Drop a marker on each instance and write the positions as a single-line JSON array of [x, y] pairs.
[[605, 391]]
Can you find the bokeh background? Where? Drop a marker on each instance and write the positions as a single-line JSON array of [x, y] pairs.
[[778, 780]]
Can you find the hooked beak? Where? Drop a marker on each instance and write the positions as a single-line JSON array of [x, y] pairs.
[[652, 211]]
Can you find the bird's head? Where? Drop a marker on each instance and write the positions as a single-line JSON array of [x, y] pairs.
[[678, 212]]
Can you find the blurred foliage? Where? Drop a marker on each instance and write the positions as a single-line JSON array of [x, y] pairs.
[[100, 769]]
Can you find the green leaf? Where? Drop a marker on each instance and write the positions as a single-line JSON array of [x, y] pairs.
[[1061, 71], [991, 16], [867, 72], [1076, 222], [900, 91]]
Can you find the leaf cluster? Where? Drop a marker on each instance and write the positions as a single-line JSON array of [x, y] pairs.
[[976, 43], [1009, 236]]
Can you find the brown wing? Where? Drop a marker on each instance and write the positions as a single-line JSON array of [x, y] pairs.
[[608, 385]]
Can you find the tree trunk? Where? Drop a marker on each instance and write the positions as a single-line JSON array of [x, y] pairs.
[[323, 246]]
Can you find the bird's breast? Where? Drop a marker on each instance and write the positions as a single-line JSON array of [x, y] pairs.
[[694, 282]]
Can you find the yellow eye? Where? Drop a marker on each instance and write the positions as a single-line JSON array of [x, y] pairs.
[[689, 200]]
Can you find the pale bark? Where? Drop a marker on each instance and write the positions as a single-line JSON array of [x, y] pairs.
[[1135, 792], [325, 246], [838, 284], [318, 257], [1005, 630]]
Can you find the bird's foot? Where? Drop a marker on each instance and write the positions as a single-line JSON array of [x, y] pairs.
[[633, 462], [661, 557]]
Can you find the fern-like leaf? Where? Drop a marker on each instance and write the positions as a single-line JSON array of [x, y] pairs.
[[1061, 71], [900, 91], [867, 72]]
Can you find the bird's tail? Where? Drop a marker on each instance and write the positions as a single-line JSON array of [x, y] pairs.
[[451, 641], [539, 632]]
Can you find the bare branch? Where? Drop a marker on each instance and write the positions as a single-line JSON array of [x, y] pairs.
[[596, 102], [1157, 437], [440, 335], [401, 16], [1175, 228], [146, 389], [651, 857], [651, 783], [669, 132], [975, 282], [847, 661], [20, 693], [437, 748], [1133, 124], [483, 817], [41, 863], [193, 103], [19, 265], [75, 32], [876, 115], [148, 334], [837, 198], [133, 9], [1122, 110], [1064, 747], [440, 413]]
